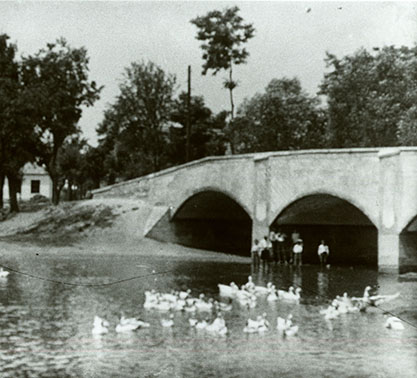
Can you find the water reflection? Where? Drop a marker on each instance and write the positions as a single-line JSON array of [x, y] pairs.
[[322, 283], [46, 327]]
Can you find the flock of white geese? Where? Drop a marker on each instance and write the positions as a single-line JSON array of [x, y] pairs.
[[247, 295]]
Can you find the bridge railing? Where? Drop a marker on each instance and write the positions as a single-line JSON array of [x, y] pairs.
[[259, 156]]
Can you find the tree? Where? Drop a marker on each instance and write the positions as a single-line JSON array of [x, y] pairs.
[[200, 119], [17, 132], [282, 118], [371, 97], [134, 127], [223, 35], [59, 75], [70, 167]]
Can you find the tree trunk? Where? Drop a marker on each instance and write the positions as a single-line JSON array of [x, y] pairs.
[[2, 176], [232, 105], [13, 187], [229, 144], [70, 191], [55, 190]]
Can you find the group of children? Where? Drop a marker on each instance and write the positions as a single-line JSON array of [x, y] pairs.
[[272, 248]]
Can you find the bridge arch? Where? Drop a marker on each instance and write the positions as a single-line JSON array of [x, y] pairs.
[[211, 219], [408, 245], [351, 234], [188, 195]]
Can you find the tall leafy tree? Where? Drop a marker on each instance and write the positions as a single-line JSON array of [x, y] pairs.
[[224, 35], [134, 127], [371, 97], [17, 130], [59, 75], [285, 117]]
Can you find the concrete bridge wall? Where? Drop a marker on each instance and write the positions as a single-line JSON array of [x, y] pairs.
[[381, 183]]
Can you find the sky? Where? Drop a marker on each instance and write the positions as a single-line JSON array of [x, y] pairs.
[[288, 42]]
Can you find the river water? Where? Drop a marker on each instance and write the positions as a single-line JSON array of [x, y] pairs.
[[45, 327]]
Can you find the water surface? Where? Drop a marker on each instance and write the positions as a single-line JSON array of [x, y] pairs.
[[45, 327]]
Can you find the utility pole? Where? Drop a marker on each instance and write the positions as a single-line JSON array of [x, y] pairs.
[[188, 125]]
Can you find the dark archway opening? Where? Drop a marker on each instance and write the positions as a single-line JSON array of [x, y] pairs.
[[408, 247], [351, 236], [209, 220]]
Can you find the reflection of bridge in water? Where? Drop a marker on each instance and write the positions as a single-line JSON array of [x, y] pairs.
[[362, 201]]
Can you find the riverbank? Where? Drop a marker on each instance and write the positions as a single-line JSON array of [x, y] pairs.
[[94, 227]]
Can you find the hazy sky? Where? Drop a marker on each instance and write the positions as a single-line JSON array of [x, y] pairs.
[[289, 41]]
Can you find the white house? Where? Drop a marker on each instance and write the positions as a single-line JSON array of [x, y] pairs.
[[35, 181]]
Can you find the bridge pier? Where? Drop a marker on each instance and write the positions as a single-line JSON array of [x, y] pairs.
[[388, 252], [259, 230]]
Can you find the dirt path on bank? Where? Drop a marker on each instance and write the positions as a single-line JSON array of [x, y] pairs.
[[94, 227]]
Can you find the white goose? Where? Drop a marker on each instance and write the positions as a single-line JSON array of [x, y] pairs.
[[228, 290], [272, 296], [202, 305], [281, 324], [163, 306], [259, 325], [249, 302], [285, 326], [120, 328], [262, 290], [134, 322], [331, 312], [249, 286], [221, 306], [394, 323], [367, 300], [290, 295], [201, 325], [99, 326], [3, 273], [184, 294], [168, 322], [218, 326]]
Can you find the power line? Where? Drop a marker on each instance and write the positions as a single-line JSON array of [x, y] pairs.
[[84, 284]]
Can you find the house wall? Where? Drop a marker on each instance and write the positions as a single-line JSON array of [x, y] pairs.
[[45, 188]]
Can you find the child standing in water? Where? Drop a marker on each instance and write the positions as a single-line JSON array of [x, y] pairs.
[[297, 252], [255, 253], [323, 252]]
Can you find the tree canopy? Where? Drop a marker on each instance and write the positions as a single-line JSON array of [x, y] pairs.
[[224, 35], [283, 118], [371, 97], [18, 137], [59, 76], [134, 126]]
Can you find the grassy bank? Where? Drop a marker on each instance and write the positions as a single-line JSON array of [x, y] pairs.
[[93, 227]]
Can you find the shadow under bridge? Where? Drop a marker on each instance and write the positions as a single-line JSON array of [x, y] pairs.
[[208, 220], [351, 236]]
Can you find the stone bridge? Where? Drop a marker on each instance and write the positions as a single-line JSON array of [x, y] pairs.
[[362, 201]]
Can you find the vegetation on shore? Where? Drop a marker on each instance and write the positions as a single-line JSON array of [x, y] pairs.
[[366, 99]]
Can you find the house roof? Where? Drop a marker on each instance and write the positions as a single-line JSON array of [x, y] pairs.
[[34, 169]]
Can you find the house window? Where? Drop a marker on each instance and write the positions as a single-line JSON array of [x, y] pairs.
[[35, 186]]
